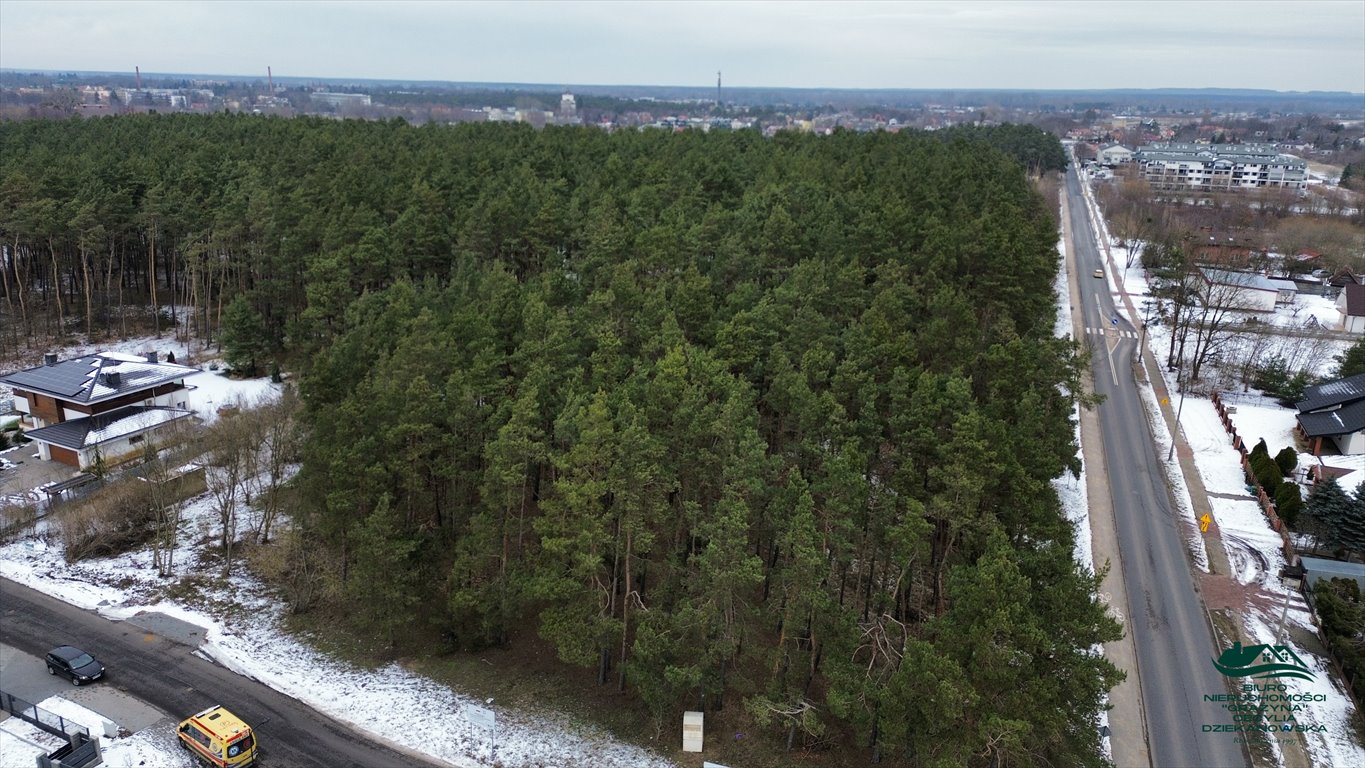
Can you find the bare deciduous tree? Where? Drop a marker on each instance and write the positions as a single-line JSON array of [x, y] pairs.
[[168, 493], [1224, 299], [231, 453], [277, 433]]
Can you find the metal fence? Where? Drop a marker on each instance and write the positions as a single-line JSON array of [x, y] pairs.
[[49, 721]]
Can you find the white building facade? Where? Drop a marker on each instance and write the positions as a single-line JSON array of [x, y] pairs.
[[1220, 166]]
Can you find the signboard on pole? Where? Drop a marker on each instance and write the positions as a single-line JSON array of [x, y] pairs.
[[484, 718], [692, 731]]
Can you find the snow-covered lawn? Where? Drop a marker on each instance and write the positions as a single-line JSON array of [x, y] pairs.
[[383, 702]]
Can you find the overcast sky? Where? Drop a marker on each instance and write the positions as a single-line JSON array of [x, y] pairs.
[[1297, 45]]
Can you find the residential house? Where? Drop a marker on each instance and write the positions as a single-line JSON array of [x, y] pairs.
[[103, 406], [1250, 291], [1288, 289], [1114, 154], [1224, 249], [1332, 416], [1351, 304], [1342, 278]]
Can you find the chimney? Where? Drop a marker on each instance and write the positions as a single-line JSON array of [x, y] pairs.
[[112, 379], [50, 358], [151, 357]]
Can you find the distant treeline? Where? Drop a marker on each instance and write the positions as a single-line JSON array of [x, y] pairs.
[[768, 423]]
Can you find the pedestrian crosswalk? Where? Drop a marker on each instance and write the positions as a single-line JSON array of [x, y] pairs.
[[1125, 334]]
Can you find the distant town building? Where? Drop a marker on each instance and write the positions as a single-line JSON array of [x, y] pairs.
[[568, 108], [1220, 166], [338, 100], [1115, 154]]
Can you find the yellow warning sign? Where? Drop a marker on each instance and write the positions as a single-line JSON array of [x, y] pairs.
[[1204, 521], [1165, 401]]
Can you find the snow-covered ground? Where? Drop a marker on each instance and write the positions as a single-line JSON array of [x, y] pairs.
[[1253, 548], [1071, 488], [383, 702]]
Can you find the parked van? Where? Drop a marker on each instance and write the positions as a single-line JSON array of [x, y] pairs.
[[219, 738]]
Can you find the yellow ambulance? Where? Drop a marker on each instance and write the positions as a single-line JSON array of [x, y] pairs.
[[219, 738]]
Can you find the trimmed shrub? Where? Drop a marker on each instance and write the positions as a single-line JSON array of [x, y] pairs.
[[1288, 503], [1267, 473], [1260, 449], [1287, 460]]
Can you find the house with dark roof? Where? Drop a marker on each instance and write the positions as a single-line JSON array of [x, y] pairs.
[[1351, 304], [1332, 415], [101, 406]]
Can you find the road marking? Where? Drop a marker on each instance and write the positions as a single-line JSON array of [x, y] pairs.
[[1113, 370]]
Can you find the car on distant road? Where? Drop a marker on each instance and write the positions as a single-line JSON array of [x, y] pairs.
[[1099, 273], [74, 664]]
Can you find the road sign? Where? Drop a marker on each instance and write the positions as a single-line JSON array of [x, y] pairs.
[[480, 716], [1113, 321], [484, 718], [1204, 521]]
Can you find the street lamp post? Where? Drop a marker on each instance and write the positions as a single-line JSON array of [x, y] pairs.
[[1284, 614]]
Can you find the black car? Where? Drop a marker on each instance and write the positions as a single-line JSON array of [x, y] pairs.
[[75, 664]]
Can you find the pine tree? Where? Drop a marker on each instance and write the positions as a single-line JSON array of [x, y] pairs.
[[1327, 505], [1352, 362], [382, 580], [244, 336]]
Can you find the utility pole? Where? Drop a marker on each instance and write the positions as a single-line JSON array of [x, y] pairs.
[[1175, 429]]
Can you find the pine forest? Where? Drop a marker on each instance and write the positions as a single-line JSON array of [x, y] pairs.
[[726, 421]]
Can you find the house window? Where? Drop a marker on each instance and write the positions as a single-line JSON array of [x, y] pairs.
[[135, 439]]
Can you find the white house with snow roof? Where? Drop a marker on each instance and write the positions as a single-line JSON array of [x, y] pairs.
[[105, 405], [1114, 154], [1250, 291]]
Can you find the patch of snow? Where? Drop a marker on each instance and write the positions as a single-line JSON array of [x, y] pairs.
[[134, 423], [1071, 489], [1324, 702], [142, 748], [1176, 479], [22, 742]]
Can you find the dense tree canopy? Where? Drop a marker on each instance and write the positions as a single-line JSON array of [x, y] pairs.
[[759, 420]]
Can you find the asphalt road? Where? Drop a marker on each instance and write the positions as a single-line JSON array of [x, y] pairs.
[[166, 675], [1166, 619]]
